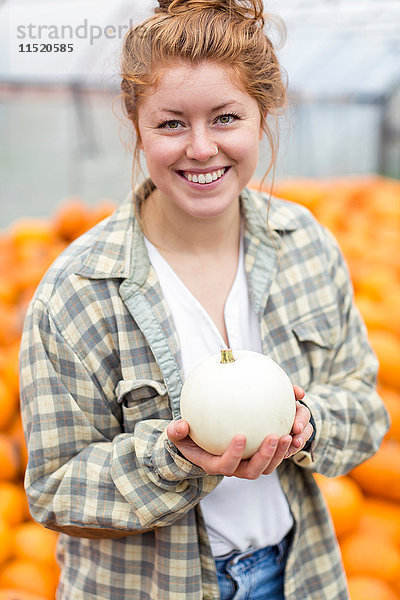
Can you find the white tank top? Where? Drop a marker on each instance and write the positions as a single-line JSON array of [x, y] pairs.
[[239, 514]]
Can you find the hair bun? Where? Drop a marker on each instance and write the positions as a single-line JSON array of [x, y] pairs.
[[239, 9], [164, 5]]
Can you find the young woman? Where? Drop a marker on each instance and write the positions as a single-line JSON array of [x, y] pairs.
[[192, 263]]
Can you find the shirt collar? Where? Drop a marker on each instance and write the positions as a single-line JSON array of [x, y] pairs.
[[270, 213], [110, 255]]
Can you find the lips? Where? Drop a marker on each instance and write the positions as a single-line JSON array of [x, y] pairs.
[[205, 177]]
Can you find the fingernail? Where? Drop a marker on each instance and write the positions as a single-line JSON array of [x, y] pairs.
[[273, 442], [241, 441]]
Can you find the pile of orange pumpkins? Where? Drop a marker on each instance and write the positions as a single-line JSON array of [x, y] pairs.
[[28, 568], [364, 215]]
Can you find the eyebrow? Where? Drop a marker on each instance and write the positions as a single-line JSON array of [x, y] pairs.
[[215, 109]]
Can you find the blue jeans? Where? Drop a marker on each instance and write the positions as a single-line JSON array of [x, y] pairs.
[[254, 575]]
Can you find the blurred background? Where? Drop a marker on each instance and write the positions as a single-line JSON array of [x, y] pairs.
[[60, 122], [65, 164]]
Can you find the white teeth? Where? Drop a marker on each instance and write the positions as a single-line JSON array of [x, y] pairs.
[[204, 177]]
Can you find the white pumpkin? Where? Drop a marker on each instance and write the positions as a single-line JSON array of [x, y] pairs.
[[237, 393]]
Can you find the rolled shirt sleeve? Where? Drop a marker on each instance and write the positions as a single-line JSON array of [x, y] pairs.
[[84, 472]]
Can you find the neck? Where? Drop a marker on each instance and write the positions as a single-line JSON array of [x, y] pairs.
[[173, 230]]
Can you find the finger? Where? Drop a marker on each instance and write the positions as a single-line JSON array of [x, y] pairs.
[[177, 430], [280, 453], [260, 460], [299, 441], [296, 445], [228, 463], [301, 419], [298, 392]]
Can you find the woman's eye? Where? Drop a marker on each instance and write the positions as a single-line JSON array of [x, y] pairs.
[[226, 119], [170, 124]]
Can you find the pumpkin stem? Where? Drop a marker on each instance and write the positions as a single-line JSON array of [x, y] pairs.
[[227, 356]]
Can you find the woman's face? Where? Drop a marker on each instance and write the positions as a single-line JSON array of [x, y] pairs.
[[193, 111]]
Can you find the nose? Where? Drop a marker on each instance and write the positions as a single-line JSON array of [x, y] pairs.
[[200, 146]]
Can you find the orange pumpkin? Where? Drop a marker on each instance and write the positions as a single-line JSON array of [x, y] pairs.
[[386, 344], [33, 542], [363, 587], [344, 499], [370, 554], [380, 474], [391, 399], [13, 503], [102, 210], [8, 404], [380, 517], [29, 576], [71, 219], [308, 192], [10, 459], [5, 536], [18, 594]]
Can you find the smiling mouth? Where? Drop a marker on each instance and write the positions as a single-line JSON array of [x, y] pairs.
[[204, 178]]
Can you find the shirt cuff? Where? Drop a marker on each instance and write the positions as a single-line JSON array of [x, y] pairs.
[[305, 456], [177, 467]]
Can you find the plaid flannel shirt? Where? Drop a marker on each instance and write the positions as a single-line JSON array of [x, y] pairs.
[[101, 378]]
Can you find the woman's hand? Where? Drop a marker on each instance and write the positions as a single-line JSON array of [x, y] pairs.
[[267, 458], [270, 454], [302, 429]]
